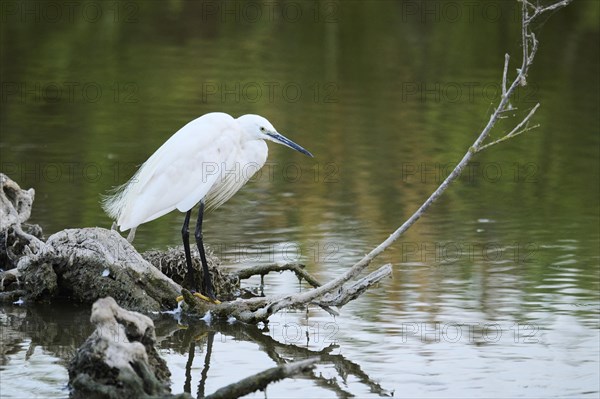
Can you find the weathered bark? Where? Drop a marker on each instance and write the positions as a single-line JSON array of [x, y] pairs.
[[92, 263], [15, 203], [14, 245], [119, 359], [15, 210], [15, 235]]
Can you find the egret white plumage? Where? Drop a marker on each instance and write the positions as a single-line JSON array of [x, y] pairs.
[[207, 161]]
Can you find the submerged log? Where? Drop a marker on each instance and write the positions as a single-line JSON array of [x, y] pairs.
[[119, 359]]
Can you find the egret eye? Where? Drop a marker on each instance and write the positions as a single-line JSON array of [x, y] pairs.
[[262, 129]]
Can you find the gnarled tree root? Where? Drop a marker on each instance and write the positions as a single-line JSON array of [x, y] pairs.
[[119, 359]]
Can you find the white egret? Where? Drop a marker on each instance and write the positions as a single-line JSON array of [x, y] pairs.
[[207, 161]]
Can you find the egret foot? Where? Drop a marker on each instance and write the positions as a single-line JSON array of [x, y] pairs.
[[211, 299], [202, 297]]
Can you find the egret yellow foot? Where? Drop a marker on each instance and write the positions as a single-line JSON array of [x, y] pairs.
[[200, 296]]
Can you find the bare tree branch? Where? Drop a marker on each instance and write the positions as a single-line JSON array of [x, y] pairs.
[[522, 127], [538, 10], [261, 270], [261, 380], [297, 268], [346, 294], [505, 74]]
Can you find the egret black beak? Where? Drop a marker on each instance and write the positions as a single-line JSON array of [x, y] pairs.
[[278, 138]]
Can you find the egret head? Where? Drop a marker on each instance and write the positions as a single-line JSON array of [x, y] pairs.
[[260, 128]]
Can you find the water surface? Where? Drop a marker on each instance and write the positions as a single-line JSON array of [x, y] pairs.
[[494, 293]]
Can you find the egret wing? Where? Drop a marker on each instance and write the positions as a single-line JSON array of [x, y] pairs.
[[182, 169]]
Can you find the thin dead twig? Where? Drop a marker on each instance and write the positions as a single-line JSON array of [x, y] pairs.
[[261, 270]]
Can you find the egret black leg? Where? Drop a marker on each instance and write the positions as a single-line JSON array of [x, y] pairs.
[[185, 235], [207, 285]]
